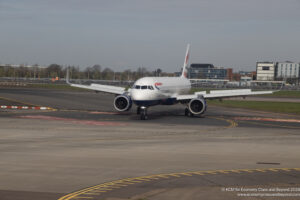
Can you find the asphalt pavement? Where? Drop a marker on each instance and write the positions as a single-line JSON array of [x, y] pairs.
[[83, 149]]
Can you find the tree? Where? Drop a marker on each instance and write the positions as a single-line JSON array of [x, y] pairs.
[[96, 71], [126, 75], [35, 69], [158, 72], [88, 72], [54, 70], [108, 74], [141, 72]]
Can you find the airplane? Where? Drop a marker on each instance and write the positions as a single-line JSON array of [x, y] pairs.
[[150, 91]]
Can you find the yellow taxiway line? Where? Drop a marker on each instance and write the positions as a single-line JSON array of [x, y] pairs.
[[87, 193]]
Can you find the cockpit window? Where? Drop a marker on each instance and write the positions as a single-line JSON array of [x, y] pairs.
[[143, 87], [150, 87]]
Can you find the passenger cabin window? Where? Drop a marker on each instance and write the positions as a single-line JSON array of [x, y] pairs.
[[144, 87]]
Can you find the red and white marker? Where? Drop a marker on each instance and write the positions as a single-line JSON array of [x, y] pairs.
[[25, 107]]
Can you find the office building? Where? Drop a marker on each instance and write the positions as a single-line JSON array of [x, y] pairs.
[[265, 71]]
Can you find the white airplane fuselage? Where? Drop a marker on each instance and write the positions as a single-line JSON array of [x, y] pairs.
[[150, 91]]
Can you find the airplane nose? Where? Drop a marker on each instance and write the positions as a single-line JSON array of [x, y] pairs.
[[143, 98], [140, 95], [136, 95]]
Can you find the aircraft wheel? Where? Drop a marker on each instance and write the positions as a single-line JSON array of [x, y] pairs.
[[144, 115], [186, 112], [138, 110]]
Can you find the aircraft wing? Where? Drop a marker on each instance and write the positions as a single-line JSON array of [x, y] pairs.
[[220, 94], [101, 88], [97, 87]]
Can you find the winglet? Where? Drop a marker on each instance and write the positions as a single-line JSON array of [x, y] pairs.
[[68, 76], [186, 60]]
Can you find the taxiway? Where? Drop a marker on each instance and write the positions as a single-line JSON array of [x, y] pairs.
[[82, 142]]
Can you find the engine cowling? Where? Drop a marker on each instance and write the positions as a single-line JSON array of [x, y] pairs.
[[122, 103], [197, 106]]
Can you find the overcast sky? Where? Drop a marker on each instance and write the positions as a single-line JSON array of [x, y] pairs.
[[124, 34]]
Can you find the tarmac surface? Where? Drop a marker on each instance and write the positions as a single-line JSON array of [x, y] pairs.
[[83, 149]]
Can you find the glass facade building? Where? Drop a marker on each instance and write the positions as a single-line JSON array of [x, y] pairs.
[[206, 71]]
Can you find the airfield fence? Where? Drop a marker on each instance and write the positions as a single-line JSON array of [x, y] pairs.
[[23, 82]]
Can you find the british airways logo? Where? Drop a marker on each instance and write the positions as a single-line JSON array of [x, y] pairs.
[[157, 84]]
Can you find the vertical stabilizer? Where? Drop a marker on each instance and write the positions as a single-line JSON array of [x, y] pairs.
[[186, 60]]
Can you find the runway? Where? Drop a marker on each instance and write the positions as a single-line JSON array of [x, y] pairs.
[[82, 142]]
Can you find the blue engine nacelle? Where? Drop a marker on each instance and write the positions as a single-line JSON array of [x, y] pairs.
[[122, 103], [197, 106]]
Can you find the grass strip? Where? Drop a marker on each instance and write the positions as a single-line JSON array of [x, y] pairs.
[[281, 107], [285, 94]]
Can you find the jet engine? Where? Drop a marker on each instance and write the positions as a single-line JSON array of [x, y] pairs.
[[197, 106], [122, 103]]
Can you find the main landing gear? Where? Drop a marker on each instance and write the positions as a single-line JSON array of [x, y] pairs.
[[143, 112], [138, 110], [188, 113]]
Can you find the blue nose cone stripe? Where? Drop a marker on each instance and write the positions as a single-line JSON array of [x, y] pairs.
[[147, 103]]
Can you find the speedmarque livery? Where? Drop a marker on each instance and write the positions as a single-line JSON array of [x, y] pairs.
[[151, 91]]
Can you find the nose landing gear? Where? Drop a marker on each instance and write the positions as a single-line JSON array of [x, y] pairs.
[[143, 113]]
